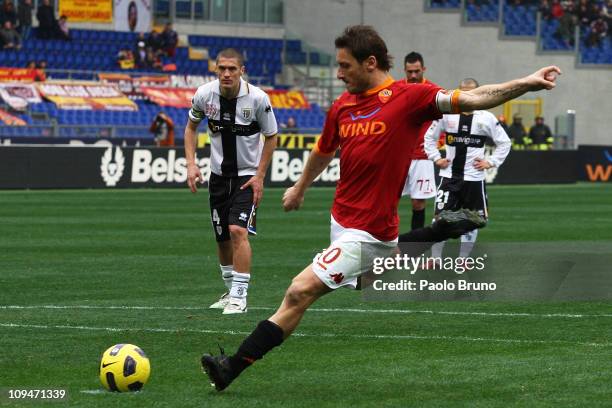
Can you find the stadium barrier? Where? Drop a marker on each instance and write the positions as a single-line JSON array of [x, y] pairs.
[[104, 166]]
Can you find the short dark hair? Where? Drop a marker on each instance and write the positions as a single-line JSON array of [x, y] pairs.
[[231, 53], [362, 41], [413, 57], [470, 81]]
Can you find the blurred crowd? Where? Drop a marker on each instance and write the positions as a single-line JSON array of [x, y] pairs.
[[593, 16], [539, 136], [149, 49]]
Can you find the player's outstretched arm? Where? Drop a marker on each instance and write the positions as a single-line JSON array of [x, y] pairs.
[[294, 196], [489, 96]]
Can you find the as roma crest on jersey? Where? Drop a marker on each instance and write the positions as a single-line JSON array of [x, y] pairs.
[[385, 95]]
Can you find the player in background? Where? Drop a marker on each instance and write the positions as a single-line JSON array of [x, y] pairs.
[[373, 124], [421, 182], [463, 169], [238, 114]]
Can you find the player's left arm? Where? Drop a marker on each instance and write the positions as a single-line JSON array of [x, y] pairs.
[[489, 96], [267, 121]]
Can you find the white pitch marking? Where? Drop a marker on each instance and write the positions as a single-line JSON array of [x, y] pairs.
[[329, 335], [94, 392], [319, 310]]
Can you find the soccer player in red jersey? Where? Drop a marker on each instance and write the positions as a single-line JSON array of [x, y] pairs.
[[421, 180], [374, 124]]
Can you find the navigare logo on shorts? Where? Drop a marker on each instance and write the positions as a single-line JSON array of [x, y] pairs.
[[111, 168]]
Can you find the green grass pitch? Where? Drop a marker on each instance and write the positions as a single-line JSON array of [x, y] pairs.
[[83, 270]]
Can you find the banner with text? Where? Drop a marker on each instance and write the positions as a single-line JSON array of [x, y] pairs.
[[17, 74], [86, 96], [87, 11], [595, 163]]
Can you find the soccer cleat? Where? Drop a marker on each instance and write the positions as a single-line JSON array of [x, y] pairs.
[[218, 370], [221, 303], [453, 224], [235, 306]]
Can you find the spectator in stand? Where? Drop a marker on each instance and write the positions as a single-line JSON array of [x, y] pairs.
[[140, 55], [502, 122], [163, 130], [593, 13], [556, 9], [545, 10], [517, 133], [170, 40], [47, 24], [566, 28], [40, 67], [599, 31], [581, 11], [9, 36], [291, 126], [24, 15], [540, 135], [155, 41], [153, 60], [141, 37], [63, 32], [9, 13], [125, 58]]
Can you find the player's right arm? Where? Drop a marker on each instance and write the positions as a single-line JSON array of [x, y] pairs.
[[319, 159], [488, 96], [196, 115]]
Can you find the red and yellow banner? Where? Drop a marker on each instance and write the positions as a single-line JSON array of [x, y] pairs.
[[175, 97], [88, 96], [90, 11], [288, 99], [17, 74]]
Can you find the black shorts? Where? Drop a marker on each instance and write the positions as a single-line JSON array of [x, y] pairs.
[[229, 205], [454, 194]]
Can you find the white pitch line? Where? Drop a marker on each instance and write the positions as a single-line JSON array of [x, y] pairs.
[[318, 310], [328, 335]]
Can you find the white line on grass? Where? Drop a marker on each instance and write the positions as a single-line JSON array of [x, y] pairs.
[[318, 310], [329, 335]]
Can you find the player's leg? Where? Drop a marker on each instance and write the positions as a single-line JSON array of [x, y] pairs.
[[218, 188], [418, 213], [421, 180], [305, 289], [475, 198], [447, 199], [337, 266], [239, 215]]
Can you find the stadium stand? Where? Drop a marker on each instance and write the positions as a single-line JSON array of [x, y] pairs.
[[482, 11]]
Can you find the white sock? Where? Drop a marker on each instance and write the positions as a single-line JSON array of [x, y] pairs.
[[226, 274], [436, 249], [468, 240], [240, 284]]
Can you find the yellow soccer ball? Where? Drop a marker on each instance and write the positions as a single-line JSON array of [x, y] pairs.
[[124, 367]]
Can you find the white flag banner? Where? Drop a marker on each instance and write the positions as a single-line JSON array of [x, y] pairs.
[[133, 15]]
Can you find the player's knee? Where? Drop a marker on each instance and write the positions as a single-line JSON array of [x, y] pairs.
[[418, 205], [298, 294], [237, 233]]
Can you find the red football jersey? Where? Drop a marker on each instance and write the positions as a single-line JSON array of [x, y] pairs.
[[375, 131], [419, 151]]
